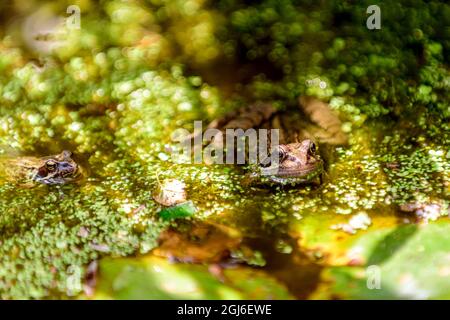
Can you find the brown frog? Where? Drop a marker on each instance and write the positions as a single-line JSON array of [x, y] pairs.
[[297, 163], [300, 132], [52, 170]]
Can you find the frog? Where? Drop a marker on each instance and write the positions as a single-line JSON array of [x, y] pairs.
[[50, 170], [298, 163], [301, 131]]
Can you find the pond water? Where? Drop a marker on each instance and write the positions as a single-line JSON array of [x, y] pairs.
[[384, 201]]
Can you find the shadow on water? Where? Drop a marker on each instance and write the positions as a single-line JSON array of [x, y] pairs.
[[293, 267], [391, 243], [294, 270]]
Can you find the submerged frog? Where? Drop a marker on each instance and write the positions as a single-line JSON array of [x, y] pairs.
[[300, 132], [51, 170]]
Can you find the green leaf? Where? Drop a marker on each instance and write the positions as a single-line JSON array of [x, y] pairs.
[[413, 263], [186, 209], [155, 278]]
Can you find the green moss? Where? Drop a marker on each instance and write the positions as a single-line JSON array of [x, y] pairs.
[[380, 71]]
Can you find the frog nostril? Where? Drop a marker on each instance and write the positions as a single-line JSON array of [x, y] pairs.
[[65, 166], [265, 163]]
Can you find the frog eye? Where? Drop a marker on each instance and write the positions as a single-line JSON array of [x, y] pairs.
[[50, 165], [312, 148], [42, 172]]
